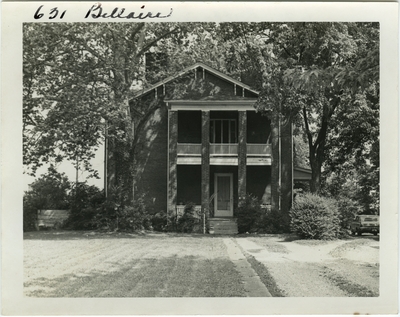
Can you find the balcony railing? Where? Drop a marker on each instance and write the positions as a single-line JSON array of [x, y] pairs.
[[223, 149], [190, 149], [258, 149]]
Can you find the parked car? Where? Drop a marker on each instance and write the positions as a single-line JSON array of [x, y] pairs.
[[365, 223]]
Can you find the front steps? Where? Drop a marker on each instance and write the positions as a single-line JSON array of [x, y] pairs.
[[223, 226]]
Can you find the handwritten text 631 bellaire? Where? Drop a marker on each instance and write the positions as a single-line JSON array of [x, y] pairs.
[[97, 12]]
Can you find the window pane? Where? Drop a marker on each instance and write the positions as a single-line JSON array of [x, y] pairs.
[[233, 131], [217, 133], [225, 131], [212, 123]]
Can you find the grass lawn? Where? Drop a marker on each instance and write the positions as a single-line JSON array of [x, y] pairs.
[[84, 264]]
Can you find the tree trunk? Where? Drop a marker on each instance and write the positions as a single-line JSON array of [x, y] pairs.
[[315, 184], [316, 150]]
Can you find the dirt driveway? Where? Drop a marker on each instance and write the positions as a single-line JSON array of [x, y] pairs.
[[318, 268], [91, 264]]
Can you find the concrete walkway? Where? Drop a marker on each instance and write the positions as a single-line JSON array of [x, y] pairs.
[[252, 282], [261, 254]]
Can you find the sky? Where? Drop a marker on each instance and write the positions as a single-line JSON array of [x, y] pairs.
[[67, 168]]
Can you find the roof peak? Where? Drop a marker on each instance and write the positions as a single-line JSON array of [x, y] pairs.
[[196, 65]]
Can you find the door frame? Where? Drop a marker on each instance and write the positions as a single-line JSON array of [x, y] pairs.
[[216, 193]]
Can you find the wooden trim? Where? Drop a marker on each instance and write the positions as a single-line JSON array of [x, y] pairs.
[[195, 66], [189, 160], [240, 105], [252, 161], [233, 161]]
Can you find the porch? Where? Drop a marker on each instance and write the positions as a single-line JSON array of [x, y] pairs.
[[224, 194]]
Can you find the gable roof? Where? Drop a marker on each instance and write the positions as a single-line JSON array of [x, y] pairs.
[[190, 68]]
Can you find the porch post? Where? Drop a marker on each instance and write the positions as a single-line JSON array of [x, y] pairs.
[[205, 162], [286, 165], [242, 155], [282, 164], [172, 160], [275, 166]]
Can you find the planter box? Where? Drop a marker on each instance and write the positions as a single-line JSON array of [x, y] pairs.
[[51, 218]]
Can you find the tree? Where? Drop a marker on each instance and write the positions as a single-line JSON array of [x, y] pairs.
[[352, 168], [78, 80], [306, 70]]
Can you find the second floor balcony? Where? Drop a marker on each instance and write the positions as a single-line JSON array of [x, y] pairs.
[[223, 137], [229, 150]]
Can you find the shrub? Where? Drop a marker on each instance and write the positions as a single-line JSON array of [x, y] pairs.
[[348, 209], [112, 216], [86, 202], [249, 214], [30, 213], [189, 222], [159, 221], [315, 217], [49, 191], [135, 217], [274, 221]]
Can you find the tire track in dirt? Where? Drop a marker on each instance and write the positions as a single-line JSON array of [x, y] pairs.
[[296, 279], [319, 268]]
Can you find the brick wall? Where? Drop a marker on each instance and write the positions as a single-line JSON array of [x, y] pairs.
[[151, 161]]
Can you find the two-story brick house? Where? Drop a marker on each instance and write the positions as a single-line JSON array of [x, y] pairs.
[[206, 144]]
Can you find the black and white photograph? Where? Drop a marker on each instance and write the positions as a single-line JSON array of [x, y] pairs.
[[217, 161]]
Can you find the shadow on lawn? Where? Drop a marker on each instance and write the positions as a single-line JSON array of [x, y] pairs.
[[293, 237], [189, 276], [92, 234]]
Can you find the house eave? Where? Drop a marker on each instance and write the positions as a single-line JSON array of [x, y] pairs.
[[243, 104]]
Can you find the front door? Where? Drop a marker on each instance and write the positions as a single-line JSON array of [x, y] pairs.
[[223, 184]]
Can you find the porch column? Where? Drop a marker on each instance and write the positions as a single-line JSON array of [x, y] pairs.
[[205, 161], [286, 165], [275, 166], [172, 160], [242, 155], [282, 164]]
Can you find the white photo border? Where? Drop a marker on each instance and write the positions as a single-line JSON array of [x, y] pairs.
[[14, 14]]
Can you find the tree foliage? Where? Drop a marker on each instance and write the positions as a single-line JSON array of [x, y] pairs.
[[78, 79], [305, 72]]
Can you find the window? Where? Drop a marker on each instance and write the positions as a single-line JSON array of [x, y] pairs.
[[223, 131]]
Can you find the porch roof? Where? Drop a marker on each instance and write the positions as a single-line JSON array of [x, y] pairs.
[[240, 103], [301, 174]]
